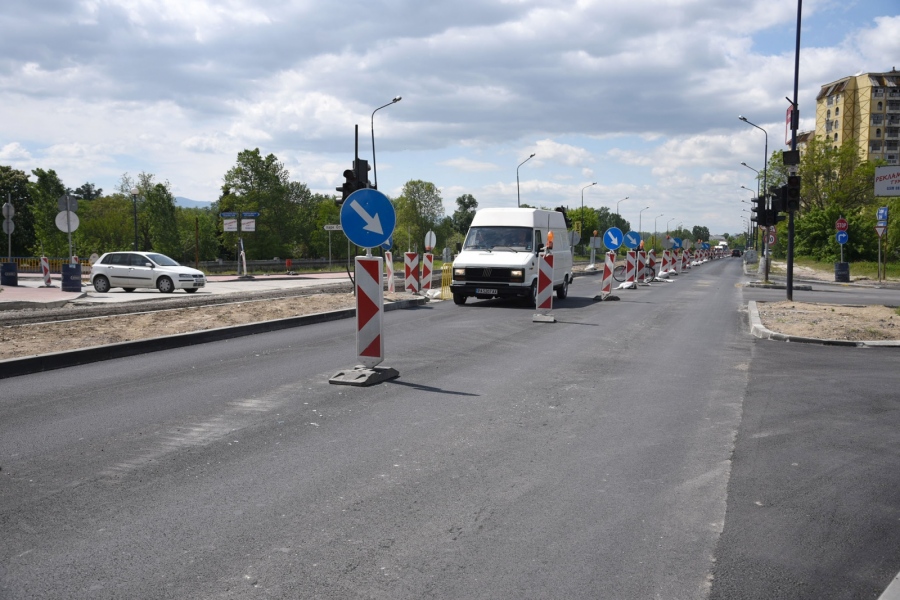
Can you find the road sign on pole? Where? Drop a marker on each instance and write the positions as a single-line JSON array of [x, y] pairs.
[[880, 229], [368, 218], [841, 224], [612, 239], [842, 237]]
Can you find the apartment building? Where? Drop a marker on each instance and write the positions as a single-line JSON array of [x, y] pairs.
[[863, 110]]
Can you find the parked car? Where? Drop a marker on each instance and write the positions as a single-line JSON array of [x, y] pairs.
[[735, 252], [133, 270]]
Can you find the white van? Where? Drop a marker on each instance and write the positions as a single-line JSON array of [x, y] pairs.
[[499, 258]]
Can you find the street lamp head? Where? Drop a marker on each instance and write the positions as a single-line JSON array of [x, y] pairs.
[[532, 155], [397, 99], [134, 191], [742, 117]]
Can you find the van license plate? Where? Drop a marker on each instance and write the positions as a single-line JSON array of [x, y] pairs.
[[486, 291]]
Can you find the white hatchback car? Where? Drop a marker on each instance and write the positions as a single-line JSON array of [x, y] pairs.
[[132, 270]]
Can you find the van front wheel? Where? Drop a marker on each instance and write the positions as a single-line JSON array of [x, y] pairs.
[[532, 296], [459, 299], [563, 290]]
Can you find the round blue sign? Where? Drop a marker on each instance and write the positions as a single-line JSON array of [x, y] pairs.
[[612, 239], [368, 218], [676, 243], [632, 239], [842, 237]]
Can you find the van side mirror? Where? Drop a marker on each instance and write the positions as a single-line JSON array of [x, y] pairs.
[[540, 248], [458, 247]]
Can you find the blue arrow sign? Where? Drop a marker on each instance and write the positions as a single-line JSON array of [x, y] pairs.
[[676, 243], [250, 214], [388, 244], [842, 237], [632, 239], [612, 239], [368, 218], [228, 214], [882, 213]]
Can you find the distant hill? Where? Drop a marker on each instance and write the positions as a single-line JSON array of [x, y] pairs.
[[188, 203]]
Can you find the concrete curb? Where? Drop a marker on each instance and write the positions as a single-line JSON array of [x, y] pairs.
[[759, 330], [14, 367]]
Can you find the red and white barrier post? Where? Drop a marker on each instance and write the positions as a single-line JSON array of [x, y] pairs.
[[642, 268], [427, 269], [389, 269], [411, 267], [45, 271], [608, 267], [544, 298]]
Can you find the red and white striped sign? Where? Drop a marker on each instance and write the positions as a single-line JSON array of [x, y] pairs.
[[389, 268], [369, 311], [630, 266], [651, 260], [608, 267], [427, 268], [411, 266], [545, 283], [45, 270]]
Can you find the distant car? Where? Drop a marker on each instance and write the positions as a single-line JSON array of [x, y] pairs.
[[735, 252], [133, 270]]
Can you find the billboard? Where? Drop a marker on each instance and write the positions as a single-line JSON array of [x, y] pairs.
[[887, 181]]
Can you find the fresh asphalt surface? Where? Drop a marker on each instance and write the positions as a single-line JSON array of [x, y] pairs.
[[646, 448]]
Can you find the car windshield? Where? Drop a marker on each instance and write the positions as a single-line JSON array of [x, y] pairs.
[[502, 238], [163, 260]]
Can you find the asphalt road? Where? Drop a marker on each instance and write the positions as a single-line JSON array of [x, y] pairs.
[[618, 453]]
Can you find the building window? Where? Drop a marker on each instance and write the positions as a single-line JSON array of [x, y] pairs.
[[880, 107], [878, 133], [835, 136], [837, 110], [828, 114]]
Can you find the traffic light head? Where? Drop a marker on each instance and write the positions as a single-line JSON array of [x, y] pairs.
[[758, 213], [349, 186], [792, 193]]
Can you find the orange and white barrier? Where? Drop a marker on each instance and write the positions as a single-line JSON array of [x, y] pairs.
[[678, 257], [369, 311], [427, 268], [411, 266], [389, 269], [651, 260], [45, 271], [641, 267]]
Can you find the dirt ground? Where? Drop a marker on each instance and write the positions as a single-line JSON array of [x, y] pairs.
[[42, 338], [830, 321]]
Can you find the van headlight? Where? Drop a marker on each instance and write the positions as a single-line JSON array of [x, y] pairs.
[[517, 276], [459, 273]]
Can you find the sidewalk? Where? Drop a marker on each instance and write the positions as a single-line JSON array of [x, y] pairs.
[[31, 293]]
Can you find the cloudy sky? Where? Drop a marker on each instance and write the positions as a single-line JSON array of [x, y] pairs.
[[642, 96]]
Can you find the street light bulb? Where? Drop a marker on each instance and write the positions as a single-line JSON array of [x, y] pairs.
[[742, 117], [134, 191], [397, 99]]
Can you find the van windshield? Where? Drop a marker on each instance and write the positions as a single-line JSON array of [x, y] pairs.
[[516, 239]]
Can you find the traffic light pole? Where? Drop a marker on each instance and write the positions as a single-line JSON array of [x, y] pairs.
[[794, 120]]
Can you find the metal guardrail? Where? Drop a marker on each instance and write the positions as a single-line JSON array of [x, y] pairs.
[[32, 264]]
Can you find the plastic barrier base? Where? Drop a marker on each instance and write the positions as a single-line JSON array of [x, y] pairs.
[[362, 376]]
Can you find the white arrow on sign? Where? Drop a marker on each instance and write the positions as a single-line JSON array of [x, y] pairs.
[[373, 224], [614, 240]]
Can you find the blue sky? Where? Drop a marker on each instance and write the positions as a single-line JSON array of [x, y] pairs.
[[641, 97]]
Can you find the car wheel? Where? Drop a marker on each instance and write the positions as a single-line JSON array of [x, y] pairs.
[[128, 289], [190, 290], [101, 284], [459, 299], [563, 290], [532, 295], [165, 285]]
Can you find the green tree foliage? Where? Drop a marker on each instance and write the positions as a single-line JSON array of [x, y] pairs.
[[14, 189], [464, 213], [162, 223], [261, 184], [419, 210], [699, 232], [49, 240], [198, 231], [88, 191], [835, 177], [106, 225], [815, 235]]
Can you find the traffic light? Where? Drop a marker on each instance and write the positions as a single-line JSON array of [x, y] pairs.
[[758, 213], [779, 199], [356, 178], [792, 193], [349, 185]]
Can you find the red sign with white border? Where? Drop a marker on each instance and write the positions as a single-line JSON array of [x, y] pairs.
[[841, 224]]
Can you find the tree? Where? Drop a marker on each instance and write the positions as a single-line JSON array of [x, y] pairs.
[[14, 189], [45, 194], [261, 184], [106, 224], [835, 177], [465, 212], [699, 232], [419, 209], [162, 222], [88, 191]]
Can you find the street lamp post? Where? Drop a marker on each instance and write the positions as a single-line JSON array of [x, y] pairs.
[[639, 219], [744, 187], [765, 187], [654, 227], [374, 169], [134, 195], [518, 195], [620, 202], [757, 176], [667, 225], [582, 206]]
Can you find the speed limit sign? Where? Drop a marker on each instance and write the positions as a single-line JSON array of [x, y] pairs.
[[772, 238]]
